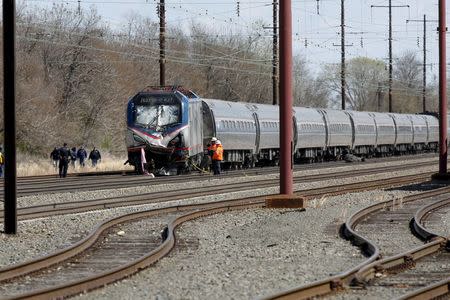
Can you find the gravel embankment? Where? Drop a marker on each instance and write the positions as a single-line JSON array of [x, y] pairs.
[[440, 224], [240, 255], [250, 254]]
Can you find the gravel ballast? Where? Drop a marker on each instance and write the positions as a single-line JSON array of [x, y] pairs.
[[237, 255]]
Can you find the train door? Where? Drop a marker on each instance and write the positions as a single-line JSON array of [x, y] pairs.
[[428, 130], [209, 124], [376, 129], [327, 129], [413, 130], [396, 130], [352, 123], [294, 119], [258, 132]]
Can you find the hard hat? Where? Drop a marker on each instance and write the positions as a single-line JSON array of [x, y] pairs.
[[218, 142], [214, 139]]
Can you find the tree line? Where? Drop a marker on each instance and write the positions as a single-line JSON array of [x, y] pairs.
[[75, 74]]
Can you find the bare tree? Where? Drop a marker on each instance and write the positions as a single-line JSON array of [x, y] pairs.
[[363, 76], [407, 90]]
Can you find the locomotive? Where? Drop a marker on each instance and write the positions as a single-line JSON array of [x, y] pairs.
[[170, 127]]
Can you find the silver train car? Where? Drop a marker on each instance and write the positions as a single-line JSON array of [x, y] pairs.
[[171, 127]]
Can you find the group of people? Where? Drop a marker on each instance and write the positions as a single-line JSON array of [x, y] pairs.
[[64, 156], [215, 151]]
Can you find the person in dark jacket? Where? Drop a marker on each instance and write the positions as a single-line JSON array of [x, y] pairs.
[[81, 155], [95, 156], [73, 156], [64, 157], [54, 156]]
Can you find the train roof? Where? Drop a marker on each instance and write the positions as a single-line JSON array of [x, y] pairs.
[[170, 89]]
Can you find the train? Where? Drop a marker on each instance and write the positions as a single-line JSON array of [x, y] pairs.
[[169, 128]]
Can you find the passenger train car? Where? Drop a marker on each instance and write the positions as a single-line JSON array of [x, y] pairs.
[[172, 126]]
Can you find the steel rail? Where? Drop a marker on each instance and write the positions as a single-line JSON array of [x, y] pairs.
[[76, 184], [147, 198], [25, 268], [419, 228], [75, 287], [441, 288], [34, 265], [337, 282], [434, 291]]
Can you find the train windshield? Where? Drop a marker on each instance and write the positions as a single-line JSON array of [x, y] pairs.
[[157, 111]]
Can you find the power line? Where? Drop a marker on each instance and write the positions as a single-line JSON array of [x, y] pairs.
[[390, 6]]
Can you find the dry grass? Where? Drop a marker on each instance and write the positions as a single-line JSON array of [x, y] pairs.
[[31, 166]]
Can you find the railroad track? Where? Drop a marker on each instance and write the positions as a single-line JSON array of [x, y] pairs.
[[426, 227], [179, 194], [92, 256], [106, 255], [50, 184], [373, 278]]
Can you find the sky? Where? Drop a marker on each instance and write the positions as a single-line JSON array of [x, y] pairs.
[[316, 23]]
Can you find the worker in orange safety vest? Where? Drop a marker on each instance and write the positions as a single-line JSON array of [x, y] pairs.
[[217, 157]]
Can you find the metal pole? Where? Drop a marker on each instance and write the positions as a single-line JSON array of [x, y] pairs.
[[342, 56], [162, 40], [442, 90], [390, 55], [379, 97], [286, 101], [424, 77], [9, 112], [275, 54], [424, 90]]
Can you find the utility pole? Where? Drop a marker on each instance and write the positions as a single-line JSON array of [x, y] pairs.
[[424, 84], [342, 55], [390, 6], [162, 42], [275, 76], [343, 65], [286, 115], [275, 54], [442, 29], [9, 113]]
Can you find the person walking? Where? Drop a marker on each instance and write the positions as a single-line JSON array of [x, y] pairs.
[[95, 156], [64, 157], [217, 157], [82, 155], [54, 156], [73, 157]]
